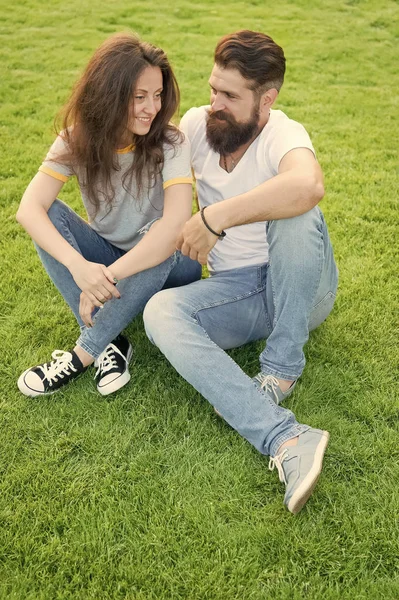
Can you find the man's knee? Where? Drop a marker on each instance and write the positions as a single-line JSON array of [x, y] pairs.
[[297, 240], [158, 314], [297, 226]]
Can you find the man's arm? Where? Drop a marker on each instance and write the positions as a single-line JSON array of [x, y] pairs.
[[296, 189]]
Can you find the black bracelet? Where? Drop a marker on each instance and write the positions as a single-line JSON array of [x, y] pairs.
[[220, 235]]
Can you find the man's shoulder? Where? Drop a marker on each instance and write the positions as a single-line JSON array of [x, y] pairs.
[[279, 121], [194, 119]]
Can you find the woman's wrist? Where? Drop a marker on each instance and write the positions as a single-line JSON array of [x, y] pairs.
[[72, 259]]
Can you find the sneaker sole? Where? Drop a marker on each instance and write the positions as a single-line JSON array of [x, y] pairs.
[[118, 383], [303, 493]]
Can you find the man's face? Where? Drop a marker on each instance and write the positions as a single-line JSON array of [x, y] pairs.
[[234, 117]]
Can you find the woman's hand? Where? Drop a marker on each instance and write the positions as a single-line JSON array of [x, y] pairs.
[[95, 280], [86, 308]]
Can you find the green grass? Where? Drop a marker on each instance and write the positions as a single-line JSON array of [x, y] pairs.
[[148, 495]]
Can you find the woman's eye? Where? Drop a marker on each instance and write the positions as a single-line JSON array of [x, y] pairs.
[[139, 97]]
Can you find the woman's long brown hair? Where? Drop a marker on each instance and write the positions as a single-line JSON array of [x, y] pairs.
[[96, 116]]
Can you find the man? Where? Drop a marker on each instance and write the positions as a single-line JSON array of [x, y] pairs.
[[272, 271]]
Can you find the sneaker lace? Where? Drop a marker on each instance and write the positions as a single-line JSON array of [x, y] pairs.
[[60, 366], [107, 359], [277, 461], [268, 383]]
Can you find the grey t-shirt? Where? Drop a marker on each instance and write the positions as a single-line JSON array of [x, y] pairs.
[[121, 224]]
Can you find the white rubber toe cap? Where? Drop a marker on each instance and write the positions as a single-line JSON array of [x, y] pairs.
[[30, 384]]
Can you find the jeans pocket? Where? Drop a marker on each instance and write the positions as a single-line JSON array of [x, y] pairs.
[[321, 311]]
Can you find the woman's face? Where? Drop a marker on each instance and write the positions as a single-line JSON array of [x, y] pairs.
[[146, 101]]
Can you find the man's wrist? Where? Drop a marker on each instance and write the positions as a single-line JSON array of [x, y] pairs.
[[215, 217], [220, 234]]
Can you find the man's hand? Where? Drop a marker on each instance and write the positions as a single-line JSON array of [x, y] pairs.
[[86, 308], [195, 240]]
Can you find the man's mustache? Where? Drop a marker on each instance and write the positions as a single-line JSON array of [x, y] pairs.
[[219, 115]]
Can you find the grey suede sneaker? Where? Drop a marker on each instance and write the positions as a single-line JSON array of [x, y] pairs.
[[299, 467], [269, 383]]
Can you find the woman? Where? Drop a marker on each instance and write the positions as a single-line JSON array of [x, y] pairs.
[[133, 169]]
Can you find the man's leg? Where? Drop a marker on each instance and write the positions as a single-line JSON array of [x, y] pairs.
[[300, 290], [193, 325]]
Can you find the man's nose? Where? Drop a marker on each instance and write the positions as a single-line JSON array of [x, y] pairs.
[[217, 103]]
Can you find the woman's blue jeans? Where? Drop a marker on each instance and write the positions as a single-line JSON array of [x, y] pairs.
[[281, 301], [135, 290]]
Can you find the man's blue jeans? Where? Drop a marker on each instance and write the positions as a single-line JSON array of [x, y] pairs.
[[281, 301], [135, 291]]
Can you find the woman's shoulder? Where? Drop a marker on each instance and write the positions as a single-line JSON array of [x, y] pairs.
[[175, 141]]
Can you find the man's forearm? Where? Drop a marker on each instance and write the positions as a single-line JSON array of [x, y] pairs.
[[286, 195]]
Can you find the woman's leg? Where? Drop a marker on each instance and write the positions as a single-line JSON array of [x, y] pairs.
[[135, 292], [102, 341], [86, 241]]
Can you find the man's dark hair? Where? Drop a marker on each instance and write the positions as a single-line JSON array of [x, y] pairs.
[[256, 56]]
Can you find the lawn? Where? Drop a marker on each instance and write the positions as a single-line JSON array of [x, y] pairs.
[[148, 495]]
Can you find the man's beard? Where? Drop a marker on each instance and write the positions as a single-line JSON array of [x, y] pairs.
[[225, 135]]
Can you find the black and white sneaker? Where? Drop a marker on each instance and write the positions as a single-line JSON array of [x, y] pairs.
[[49, 377], [113, 366]]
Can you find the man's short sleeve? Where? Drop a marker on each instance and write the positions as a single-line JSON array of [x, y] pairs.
[[185, 122], [290, 136], [176, 168], [51, 164]]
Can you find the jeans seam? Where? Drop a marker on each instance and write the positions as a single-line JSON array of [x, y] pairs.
[[227, 301], [329, 294]]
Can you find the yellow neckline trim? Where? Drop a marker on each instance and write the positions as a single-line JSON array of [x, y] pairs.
[[125, 150]]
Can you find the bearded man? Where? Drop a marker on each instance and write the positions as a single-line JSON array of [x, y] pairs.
[[271, 265]]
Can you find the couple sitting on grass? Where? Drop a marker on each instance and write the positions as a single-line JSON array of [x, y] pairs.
[[271, 265]]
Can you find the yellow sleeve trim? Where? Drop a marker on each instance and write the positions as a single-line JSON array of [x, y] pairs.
[[54, 174], [176, 180], [126, 150]]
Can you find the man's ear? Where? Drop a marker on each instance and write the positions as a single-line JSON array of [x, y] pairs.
[[268, 99]]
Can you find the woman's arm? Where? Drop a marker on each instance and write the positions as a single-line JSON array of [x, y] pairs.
[[94, 279], [160, 241]]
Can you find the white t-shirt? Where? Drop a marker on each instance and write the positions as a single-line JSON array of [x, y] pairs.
[[244, 245]]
